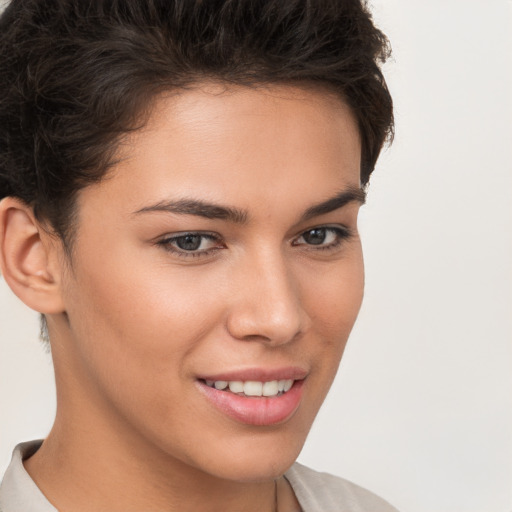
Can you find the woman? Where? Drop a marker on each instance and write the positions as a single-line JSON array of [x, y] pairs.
[[181, 183]]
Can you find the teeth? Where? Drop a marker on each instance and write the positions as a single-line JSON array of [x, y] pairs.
[[253, 388], [236, 386], [270, 388]]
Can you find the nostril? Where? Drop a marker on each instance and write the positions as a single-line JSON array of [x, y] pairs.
[[254, 327]]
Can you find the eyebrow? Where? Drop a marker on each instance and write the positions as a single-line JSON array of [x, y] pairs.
[[238, 216], [199, 209], [346, 196]]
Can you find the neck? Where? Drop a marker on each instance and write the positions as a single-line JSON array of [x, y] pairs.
[[70, 464], [93, 446]]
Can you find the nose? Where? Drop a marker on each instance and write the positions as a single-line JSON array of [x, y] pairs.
[[266, 303]]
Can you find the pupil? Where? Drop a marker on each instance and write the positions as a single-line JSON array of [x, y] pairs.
[[189, 242], [315, 236]]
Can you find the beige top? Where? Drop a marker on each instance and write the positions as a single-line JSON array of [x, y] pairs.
[[316, 492]]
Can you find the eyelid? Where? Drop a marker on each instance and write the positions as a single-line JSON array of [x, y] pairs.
[[342, 233], [166, 243]]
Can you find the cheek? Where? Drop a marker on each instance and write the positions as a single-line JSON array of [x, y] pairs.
[[136, 340], [136, 323], [333, 309], [336, 304]]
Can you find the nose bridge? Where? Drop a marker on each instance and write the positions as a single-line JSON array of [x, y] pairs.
[[267, 302]]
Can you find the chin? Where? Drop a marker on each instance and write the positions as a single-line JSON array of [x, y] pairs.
[[251, 471], [259, 460]]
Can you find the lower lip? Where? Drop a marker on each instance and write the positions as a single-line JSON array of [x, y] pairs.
[[258, 411]]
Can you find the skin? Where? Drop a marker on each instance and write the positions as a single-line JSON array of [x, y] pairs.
[[134, 321]]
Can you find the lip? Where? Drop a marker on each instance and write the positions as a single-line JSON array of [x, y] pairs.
[[259, 374], [257, 411]]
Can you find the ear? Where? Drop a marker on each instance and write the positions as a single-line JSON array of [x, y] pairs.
[[28, 257]]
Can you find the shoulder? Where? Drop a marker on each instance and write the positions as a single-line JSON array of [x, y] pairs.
[[18, 492], [328, 493]]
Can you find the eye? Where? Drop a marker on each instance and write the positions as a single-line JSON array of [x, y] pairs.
[[191, 244], [323, 237]]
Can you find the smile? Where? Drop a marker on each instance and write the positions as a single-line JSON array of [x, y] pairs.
[[252, 401], [253, 388]]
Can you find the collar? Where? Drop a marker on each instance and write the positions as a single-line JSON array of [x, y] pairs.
[[18, 491]]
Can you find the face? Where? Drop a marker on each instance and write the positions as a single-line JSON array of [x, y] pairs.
[[215, 277]]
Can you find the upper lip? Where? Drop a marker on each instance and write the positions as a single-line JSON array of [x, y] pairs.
[[259, 374]]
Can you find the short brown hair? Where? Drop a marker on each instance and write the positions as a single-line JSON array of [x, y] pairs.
[[75, 76]]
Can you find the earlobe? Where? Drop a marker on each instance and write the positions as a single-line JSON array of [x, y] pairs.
[[27, 258]]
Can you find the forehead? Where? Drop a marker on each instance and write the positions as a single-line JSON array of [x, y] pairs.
[[233, 143]]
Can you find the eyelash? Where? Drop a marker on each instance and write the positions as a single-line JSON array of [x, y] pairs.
[[167, 244], [341, 233]]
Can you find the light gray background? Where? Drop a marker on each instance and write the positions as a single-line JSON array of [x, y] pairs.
[[421, 411]]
